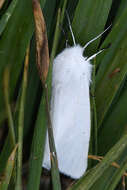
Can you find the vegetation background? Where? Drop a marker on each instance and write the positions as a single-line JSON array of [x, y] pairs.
[[22, 104]]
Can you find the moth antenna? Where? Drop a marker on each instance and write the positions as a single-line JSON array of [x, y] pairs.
[[93, 56], [88, 43], [72, 34]]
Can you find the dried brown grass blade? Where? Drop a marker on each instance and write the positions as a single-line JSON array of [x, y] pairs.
[[1, 3], [100, 158], [41, 41]]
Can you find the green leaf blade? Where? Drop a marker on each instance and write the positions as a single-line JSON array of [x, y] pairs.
[[112, 61]]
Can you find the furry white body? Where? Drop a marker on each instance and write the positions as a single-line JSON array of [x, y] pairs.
[[70, 112]]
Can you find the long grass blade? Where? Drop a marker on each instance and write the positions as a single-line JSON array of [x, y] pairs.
[[7, 104], [113, 68], [87, 182], [93, 112], [21, 124], [40, 132]]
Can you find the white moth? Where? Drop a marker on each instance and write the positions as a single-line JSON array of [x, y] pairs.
[[70, 110]]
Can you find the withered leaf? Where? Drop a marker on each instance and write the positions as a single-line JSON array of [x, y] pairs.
[[1, 3], [42, 53]]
